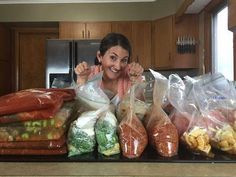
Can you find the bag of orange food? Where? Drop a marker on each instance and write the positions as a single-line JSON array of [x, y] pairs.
[[162, 134], [132, 134]]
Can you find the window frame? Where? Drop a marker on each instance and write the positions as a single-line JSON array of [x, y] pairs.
[[209, 11]]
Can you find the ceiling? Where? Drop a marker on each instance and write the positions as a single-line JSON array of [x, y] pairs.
[[197, 6], [67, 1]]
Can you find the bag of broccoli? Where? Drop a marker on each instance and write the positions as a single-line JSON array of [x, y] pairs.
[[81, 135], [106, 134]]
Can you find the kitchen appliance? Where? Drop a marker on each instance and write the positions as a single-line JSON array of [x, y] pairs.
[[62, 56]]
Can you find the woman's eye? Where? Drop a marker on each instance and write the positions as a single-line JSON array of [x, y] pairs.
[[113, 58], [124, 61]]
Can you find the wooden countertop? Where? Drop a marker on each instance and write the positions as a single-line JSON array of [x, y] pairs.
[[117, 169]]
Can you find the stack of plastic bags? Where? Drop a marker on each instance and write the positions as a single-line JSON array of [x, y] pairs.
[[35, 121], [205, 112]]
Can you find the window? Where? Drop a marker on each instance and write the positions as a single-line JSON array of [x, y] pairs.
[[222, 45]]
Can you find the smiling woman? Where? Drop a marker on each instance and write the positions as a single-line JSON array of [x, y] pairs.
[[116, 74]]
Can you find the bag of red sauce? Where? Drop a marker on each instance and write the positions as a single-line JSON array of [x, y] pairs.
[[33, 104], [162, 134], [132, 134]]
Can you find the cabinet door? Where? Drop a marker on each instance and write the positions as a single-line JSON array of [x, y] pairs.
[[124, 28], [141, 40], [97, 30], [30, 50], [72, 30], [162, 42]]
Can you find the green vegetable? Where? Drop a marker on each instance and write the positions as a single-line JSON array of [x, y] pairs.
[[107, 138], [25, 136], [79, 142]]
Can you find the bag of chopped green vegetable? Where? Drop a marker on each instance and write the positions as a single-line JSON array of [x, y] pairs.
[[81, 135], [106, 134]]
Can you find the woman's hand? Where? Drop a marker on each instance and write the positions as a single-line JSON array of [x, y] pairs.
[[82, 71], [135, 71]]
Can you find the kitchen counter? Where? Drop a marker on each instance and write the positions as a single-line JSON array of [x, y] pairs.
[[117, 169], [184, 164]]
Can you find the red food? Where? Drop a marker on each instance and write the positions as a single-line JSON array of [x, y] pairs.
[[162, 134], [181, 122], [61, 150], [33, 99], [133, 137], [33, 104], [48, 144]]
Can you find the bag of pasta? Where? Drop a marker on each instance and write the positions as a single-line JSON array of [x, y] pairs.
[[106, 134], [132, 134], [162, 134]]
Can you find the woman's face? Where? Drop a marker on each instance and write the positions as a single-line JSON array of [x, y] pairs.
[[114, 61]]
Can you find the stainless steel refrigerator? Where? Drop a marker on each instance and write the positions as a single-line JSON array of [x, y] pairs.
[[62, 56]]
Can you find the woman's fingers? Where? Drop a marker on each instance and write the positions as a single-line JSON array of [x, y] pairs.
[[82, 69], [135, 69]]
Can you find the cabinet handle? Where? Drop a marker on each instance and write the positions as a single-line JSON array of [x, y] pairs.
[[88, 34], [137, 59], [169, 56], [83, 33]]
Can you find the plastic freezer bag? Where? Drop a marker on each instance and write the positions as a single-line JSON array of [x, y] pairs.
[[106, 134], [81, 135], [38, 130], [163, 135], [132, 134], [31, 101]]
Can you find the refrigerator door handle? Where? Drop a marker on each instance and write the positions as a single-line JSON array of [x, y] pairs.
[[76, 54], [71, 63], [70, 55], [75, 60]]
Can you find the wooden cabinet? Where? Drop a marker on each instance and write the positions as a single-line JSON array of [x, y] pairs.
[[79, 30], [162, 42], [139, 35], [141, 43], [165, 34], [232, 15], [30, 56], [124, 28]]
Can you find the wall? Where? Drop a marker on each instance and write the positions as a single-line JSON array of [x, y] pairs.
[[88, 12]]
